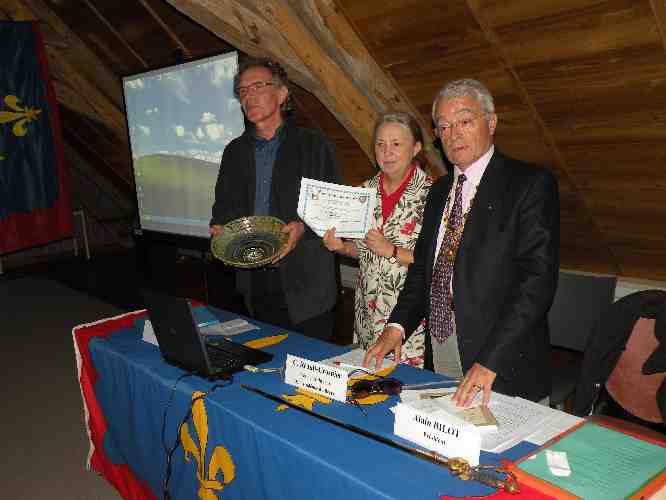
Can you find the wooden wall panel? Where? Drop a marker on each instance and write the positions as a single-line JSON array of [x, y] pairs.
[[96, 35], [577, 33], [503, 12], [199, 41], [353, 163]]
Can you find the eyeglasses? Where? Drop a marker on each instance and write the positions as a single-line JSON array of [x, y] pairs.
[[464, 125], [253, 87], [364, 388]]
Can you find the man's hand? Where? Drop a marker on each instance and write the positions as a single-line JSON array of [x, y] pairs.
[[478, 378], [377, 244], [295, 230], [389, 340], [215, 230]]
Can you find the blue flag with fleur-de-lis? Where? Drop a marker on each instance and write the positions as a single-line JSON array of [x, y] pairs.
[[35, 207]]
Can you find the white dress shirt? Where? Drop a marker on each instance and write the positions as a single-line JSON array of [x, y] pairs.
[[474, 173]]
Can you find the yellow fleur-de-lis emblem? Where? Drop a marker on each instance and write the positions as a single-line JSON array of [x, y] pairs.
[[220, 460], [21, 115], [262, 342], [304, 399]]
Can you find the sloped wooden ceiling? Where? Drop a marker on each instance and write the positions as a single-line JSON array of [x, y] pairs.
[[580, 86]]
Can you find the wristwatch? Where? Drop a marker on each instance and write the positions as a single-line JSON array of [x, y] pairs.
[[394, 258]]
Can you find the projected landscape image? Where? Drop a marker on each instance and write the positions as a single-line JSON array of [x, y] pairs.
[[180, 119]]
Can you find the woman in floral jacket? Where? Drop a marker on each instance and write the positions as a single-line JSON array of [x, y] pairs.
[[387, 250]]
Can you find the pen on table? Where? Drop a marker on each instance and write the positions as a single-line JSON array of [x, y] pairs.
[[353, 367], [208, 323], [433, 385]]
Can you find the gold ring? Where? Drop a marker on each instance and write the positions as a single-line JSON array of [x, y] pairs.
[[479, 387]]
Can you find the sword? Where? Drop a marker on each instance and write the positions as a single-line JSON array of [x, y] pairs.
[[459, 467]]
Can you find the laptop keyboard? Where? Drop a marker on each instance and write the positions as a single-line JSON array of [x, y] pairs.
[[222, 360]]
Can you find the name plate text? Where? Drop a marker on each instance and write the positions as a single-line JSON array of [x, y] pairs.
[[329, 381], [440, 432]]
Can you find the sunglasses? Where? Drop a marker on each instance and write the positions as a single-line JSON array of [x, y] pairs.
[[364, 388]]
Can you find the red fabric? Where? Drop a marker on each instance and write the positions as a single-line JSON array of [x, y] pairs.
[[119, 476], [526, 493], [42, 226], [389, 201]]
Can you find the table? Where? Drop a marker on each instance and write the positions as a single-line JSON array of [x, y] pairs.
[[241, 447]]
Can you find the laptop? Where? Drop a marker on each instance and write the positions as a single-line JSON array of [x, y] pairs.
[[182, 344]]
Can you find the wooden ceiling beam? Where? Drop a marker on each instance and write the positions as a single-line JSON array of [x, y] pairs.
[[337, 90], [76, 50], [476, 9], [116, 33], [272, 27], [167, 29], [248, 32], [70, 97], [315, 38], [123, 179], [124, 199], [659, 10], [64, 71], [330, 25]]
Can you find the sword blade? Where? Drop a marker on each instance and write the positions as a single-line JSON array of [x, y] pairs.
[[425, 455], [429, 456]]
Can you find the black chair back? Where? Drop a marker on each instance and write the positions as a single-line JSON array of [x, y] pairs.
[[579, 302]]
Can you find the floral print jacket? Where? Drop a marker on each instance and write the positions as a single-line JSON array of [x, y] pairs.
[[380, 281]]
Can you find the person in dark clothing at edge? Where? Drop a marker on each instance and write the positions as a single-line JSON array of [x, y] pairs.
[[260, 174]]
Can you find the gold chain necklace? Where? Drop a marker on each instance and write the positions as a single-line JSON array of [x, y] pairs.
[[450, 247]]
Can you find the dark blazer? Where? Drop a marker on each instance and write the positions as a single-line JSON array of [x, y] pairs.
[[505, 274], [308, 272]]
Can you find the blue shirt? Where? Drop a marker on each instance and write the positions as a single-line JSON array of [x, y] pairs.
[[265, 152]]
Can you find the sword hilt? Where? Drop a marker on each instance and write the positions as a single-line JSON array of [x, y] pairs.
[[486, 474]]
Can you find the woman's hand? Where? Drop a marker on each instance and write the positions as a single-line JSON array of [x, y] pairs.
[[389, 341], [377, 244], [331, 242]]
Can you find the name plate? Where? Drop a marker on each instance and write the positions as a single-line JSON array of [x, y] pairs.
[[329, 381], [439, 432]]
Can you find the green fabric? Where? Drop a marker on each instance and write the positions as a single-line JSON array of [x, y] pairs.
[[604, 463]]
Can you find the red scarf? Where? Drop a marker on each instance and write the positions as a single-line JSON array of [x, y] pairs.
[[389, 201]]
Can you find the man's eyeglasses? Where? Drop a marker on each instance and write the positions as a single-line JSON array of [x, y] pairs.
[[364, 388], [464, 125], [253, 87]]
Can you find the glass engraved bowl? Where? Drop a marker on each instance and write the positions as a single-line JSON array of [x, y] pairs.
[[249, 242]]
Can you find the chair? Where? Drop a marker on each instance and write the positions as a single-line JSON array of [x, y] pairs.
[[627, 358], [632, 389], [579, 302]]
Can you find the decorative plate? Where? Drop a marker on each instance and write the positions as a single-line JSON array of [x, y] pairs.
[[249, 242]]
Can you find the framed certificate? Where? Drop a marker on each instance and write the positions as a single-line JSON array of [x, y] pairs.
[[323, 205]]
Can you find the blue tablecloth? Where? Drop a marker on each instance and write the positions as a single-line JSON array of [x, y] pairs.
[[259, 451]]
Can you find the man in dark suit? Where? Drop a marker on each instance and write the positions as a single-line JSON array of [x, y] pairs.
[[260, 174], [486, 262]]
